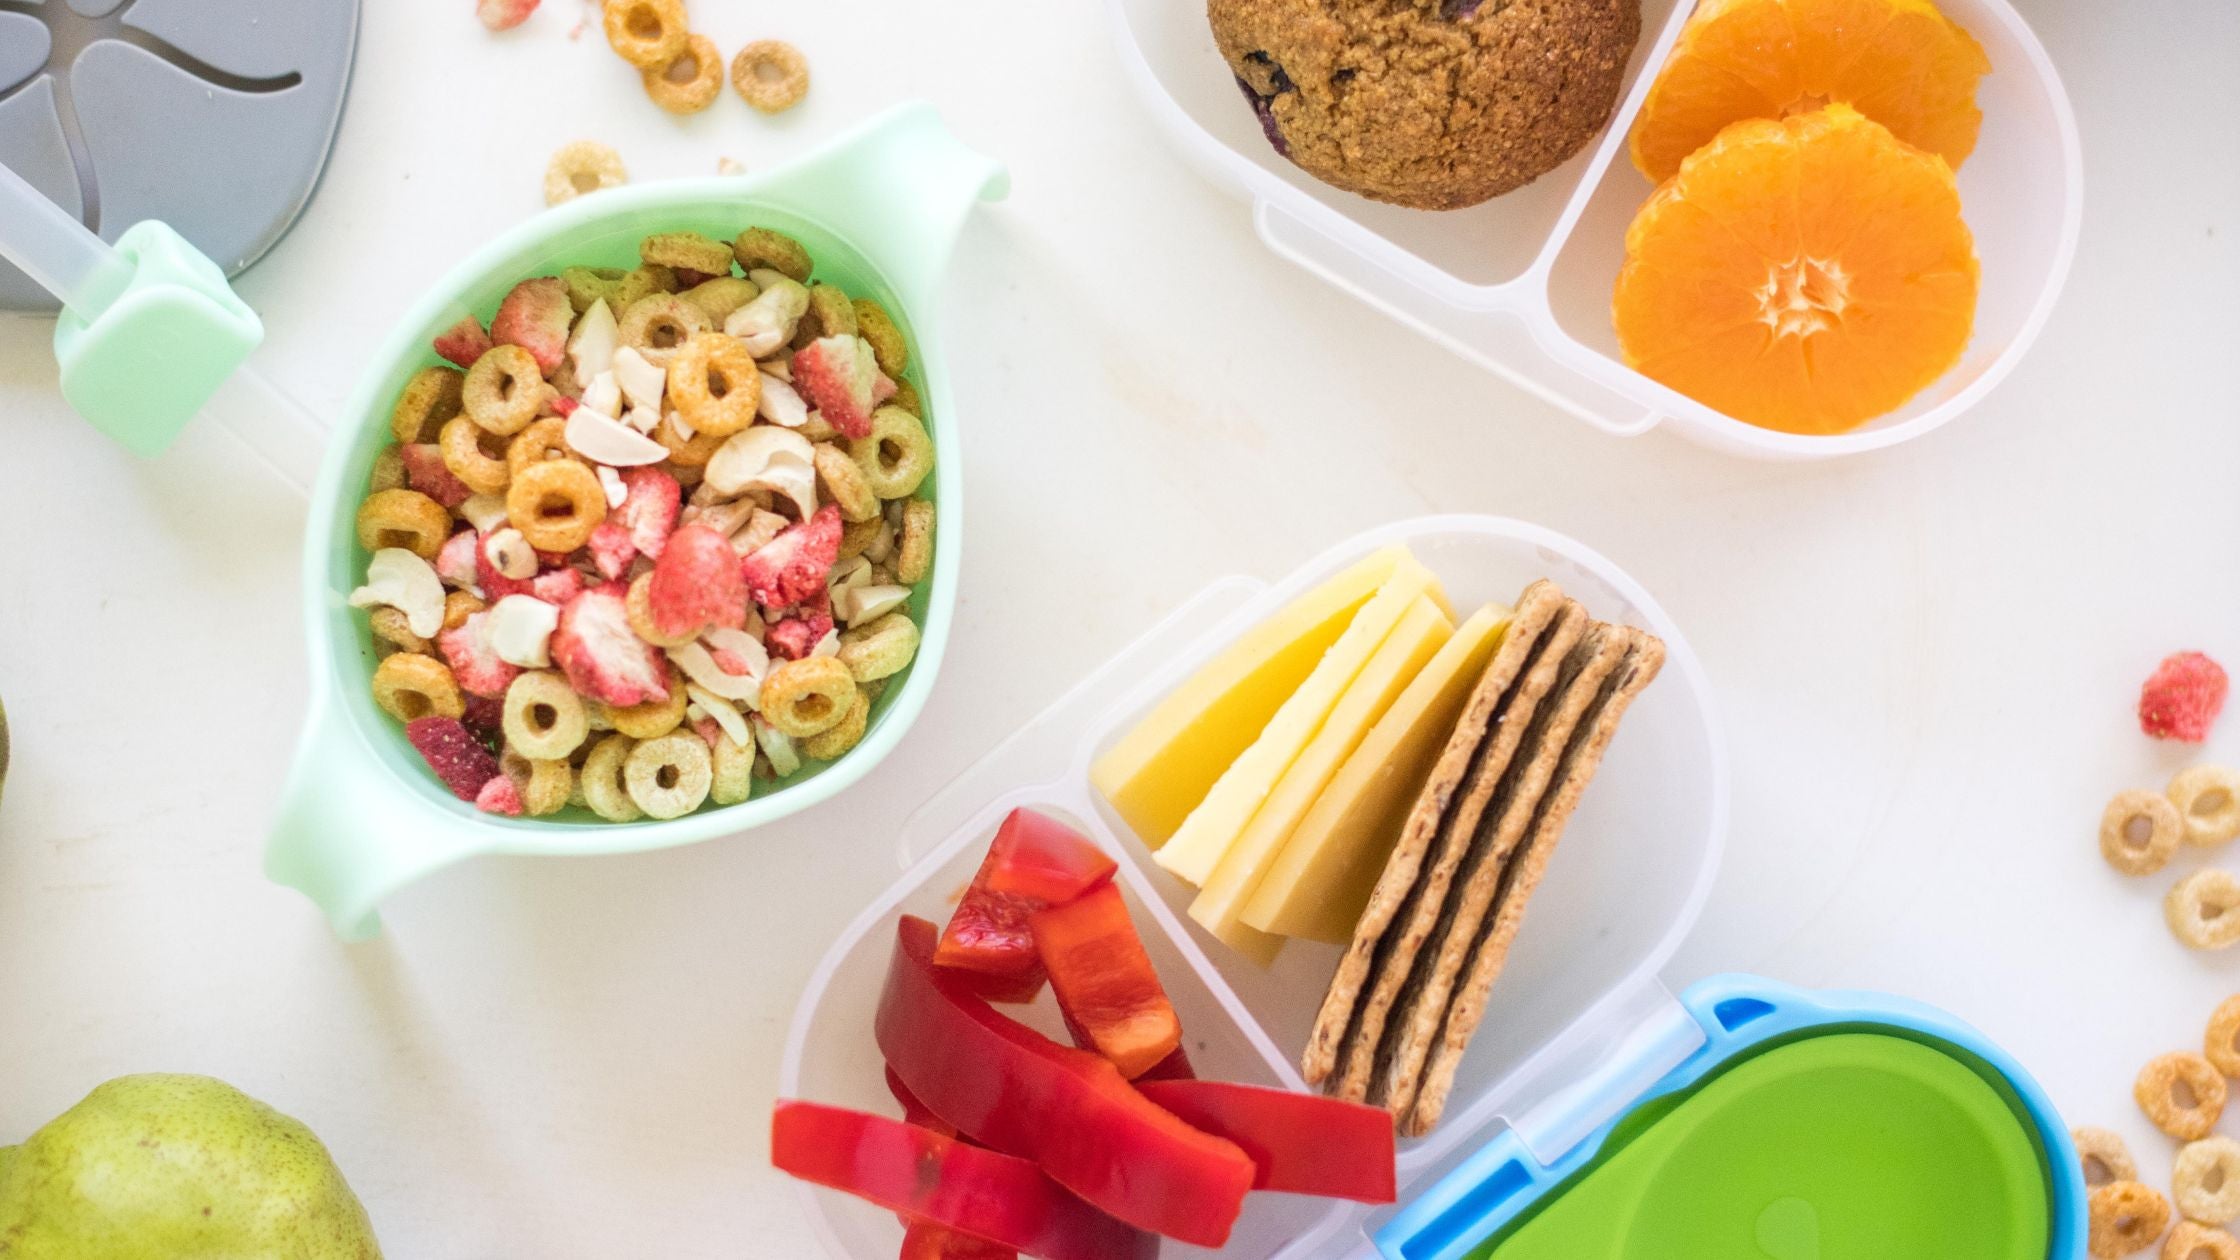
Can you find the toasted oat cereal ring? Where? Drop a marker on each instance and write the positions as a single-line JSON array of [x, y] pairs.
[[432, 396], [646, 33], [409, 686], [2208, 798], [505, 390], [914, 551], [2203, 909], [761, 247], [392, 627], [556, 504], [661, 321], [388, 470], [403, 518], [2127, 1217], [2182, 1093], [579, 167], [640, 615], [2220, 1044], [732, 768], [830, 313], [2205, 1180], [689, 250], [600, 780], [544, 716], [687, 456], [896, 455], [845, 484], [856, 536], [545, 786], [466, 451], [545, 440], [906, 397], [714, 383], [589, 285], [2200, 1242], [807, 697], [690, 81], [668, 777], [833, 744], [888, 345], [2139, 831], [654, 718], [458, 606], [880, 649], [771, 75], [719, 297], [2104, 1156]]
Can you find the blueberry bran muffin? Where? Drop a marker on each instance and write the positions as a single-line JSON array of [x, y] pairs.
[[1435, 104]]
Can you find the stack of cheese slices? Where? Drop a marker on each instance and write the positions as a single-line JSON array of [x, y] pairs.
[[1361, 770]]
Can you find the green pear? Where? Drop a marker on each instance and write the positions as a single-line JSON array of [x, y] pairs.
[[177, 1168]]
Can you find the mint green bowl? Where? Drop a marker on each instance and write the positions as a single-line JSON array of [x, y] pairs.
[[361, 815]]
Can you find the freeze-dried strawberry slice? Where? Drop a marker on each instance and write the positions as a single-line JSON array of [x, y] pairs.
[[611, 549], [424, 471], [459, 561], [474, 659], [696, 584], [603, 659], [793, 566], [534, 316], [556, 586], [796, 637], [486, 717], [452, 752], [837, 375], [504, 15], [649, 507], [463, 342], [499, 796]]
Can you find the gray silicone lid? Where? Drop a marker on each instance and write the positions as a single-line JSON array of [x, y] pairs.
[[214, 116]]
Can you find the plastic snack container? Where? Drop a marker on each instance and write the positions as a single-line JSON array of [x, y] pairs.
[[1580, 1027], [879, 209], [1521, 285]]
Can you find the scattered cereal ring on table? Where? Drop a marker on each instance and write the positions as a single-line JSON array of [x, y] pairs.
[[2208, 798], [2221, 1041], [582, 166], [2182, 1093], [670, 776], [2200, 1242], [770, 75], [2126, 1219], [688, 82], [2103, 1156], [2205, 1181], [646, 33], [2139, 831], [2203, 909]]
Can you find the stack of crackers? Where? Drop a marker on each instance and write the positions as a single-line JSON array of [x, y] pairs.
[[1412, 987]]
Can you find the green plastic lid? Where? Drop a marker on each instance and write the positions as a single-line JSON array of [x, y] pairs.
[[1848, 1146]]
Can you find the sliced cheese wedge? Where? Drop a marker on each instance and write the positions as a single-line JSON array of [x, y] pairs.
[[1422, 629], [1169, 760], [1317, 886], [1198, 845]]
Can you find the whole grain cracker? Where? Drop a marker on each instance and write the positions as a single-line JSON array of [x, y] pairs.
[[1497, 845], [1536, 608], [1644, 658]]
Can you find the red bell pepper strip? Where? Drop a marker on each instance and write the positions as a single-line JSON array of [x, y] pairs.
[[915, 1112], [904, 1168], [1037, 857], [1067, 1110], [1105, 981], [925, 1240], [987, 939], [1301, 1143], [1175, 1067]]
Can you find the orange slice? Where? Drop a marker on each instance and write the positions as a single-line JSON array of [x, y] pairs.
[[1899, 62], [1805, 275]]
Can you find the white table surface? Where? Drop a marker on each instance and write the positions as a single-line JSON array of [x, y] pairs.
[[1927, 659]]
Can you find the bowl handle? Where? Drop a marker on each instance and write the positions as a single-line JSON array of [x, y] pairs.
[[348, 834], [1501, 340], [898, 186]]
